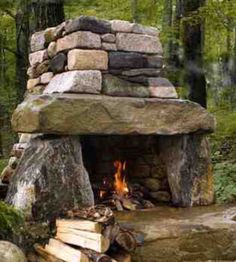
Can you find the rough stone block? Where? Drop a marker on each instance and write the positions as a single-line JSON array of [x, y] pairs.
[[145, 30], [109, 46], [151, 72], [109, 38], [32, 83], [152, 184], [115, 86], [138, 43], [79, 59], [123, 60], [37, 57], [154, 61], [161, 196], [58, 62], [86, 81], [52, 49], [88, 23], [46, 78], [42, 68], [121, 26], [162, 88], [38, 41], [79, 39]]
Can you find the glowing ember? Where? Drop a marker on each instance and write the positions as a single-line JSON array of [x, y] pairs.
[[120, 184]]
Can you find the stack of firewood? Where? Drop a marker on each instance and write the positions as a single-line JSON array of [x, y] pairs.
[[91, 234]]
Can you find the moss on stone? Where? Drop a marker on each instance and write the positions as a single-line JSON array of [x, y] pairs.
[[11, 221]]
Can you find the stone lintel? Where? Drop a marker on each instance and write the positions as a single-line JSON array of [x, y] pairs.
[[77, 114]]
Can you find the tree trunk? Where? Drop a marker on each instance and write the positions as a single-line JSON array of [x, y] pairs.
[[193, 52], [167, 27], [134, 9], [50, 177], [46, 13]]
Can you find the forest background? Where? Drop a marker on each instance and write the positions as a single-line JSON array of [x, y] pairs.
[[199, 39]]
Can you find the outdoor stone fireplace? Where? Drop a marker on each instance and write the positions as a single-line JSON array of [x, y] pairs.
[[96, 96]]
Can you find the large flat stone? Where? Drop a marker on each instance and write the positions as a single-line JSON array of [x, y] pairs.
[[187, 234], [90, 114], [138, 43], [80, 81]]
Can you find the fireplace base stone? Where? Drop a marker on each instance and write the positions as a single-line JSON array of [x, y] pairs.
[[184, 234]]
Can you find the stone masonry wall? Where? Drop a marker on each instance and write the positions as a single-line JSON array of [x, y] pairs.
[[87, 55]]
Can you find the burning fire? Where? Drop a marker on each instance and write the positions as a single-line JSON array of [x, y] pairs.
[[120, 184]]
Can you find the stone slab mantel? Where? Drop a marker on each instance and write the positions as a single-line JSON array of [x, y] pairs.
[[79, 114]]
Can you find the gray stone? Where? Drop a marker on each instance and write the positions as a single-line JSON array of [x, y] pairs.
[[138, 43], [161, 196], [11, 253], [115, 86], [31, 72], [123, 60], [109, 46], [60, 29], [84, 81], [189, 169], [50, 34], [58, 63], [146, 30], [141, 71], [79, 39], [52, 49], [109, 38], [38, 57], [162, 88], [50, 178], [88, 23], [38, 41], [79, 59], [13, 161], [89, 114], [152, 184], [121, 26], [46, 78], [154, 61]]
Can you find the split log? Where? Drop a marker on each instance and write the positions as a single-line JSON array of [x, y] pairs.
[[85, 239], [80, 225], [111, 232], [50, 177], [65, 252], [126, 240], [45, 254]]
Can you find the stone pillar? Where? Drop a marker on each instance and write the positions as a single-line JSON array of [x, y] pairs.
[[189, 169], [50, 177]]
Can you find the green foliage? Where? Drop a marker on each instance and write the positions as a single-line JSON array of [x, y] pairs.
[[225, 182], [3, 164], [11, 221]]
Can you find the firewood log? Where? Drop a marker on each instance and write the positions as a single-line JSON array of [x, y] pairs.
[[80, 225], [126, 240], [121, 256], [65, 252], [95, 256], [119, 206], [111, 232], [85, 239], [45, 255]]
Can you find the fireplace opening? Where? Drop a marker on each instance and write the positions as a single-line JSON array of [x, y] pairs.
[[126, 172]]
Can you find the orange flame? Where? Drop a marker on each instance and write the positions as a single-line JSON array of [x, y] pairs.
[[120, 184]]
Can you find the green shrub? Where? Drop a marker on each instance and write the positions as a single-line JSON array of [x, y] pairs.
[[225, 182], [11, 221], [3, 164]]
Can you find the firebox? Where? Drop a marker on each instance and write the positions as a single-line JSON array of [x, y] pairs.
[[126, 172]]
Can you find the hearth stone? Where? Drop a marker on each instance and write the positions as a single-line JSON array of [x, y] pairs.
[[72, 114], [50, 177], [177, 234]]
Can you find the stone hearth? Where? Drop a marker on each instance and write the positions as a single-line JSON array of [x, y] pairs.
[[95, 85]]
